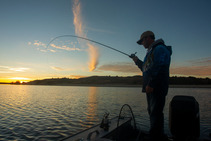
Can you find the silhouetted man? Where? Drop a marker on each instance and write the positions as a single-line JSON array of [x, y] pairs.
[[155, 68]]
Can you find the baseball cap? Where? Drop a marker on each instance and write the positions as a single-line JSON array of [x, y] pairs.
[[143, 35]]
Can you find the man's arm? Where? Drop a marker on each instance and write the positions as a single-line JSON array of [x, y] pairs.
[[138, 62]]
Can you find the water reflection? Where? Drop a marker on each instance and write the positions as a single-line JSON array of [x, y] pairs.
[[53, 112], [92, 105], [15, 100]]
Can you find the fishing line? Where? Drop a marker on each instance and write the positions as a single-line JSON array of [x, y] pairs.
[[87, 40]]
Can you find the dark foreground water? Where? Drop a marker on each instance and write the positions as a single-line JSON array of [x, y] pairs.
[[55, 112]]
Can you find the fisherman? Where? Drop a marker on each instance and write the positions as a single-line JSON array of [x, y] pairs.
[[155, 68]]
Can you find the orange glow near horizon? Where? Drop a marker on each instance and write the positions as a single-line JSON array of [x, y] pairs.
[[23, 79], [15, 79]]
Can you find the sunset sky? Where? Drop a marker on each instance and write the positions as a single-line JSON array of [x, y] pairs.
[[27, 26]]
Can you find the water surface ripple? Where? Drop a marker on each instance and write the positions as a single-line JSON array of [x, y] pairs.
[[54, 112]]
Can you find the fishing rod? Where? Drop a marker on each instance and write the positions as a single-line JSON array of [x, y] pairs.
[[131, 56]]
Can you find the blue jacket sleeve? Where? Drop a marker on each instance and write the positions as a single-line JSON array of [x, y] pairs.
[[139, 63]]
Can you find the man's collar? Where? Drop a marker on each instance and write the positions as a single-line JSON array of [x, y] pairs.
[[155, 43]]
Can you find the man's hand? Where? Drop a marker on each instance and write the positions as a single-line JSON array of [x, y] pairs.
[[149, 89], [135, 58], [133, 55]]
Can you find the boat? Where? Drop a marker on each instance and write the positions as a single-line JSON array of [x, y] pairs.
[[123, 128]]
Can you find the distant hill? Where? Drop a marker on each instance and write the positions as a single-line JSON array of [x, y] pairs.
[[93, 80], [111, 80], [189, 81]]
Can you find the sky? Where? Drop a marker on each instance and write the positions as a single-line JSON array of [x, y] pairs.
[[28, 26]]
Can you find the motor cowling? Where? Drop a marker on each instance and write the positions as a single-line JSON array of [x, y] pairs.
[[184, 118]]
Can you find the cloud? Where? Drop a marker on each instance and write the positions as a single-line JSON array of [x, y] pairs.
[[19, 69], [38, 43], [206, 60], [60, 69], [198, 67], [123, 67], [51, 50], [54, 48], [65, 48], [7, 69], [120, 67], [100, 30], [57, 68], [191, 70], [94, 55], [76, 76], [79, 30], [20, 78]]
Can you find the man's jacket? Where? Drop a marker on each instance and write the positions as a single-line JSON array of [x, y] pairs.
[[155, 66]]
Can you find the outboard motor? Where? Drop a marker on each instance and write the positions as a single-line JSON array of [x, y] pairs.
[[184, 119]]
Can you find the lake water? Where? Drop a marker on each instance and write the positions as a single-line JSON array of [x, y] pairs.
[[55, 112]]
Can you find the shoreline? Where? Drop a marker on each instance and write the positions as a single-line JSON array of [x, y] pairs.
[[115, 85], [189, 86]]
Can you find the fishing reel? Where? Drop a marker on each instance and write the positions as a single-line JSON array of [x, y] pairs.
[[133, 55], [105, 122]]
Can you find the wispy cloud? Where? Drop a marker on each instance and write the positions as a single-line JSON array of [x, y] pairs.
[[191, 70], [38, 43], [100, 30], [198, 67], [120, 67], [8, 69], [93, 55], [60, 68], [19, 69], [66, 48], [20, 78], [57, 68], [76, 76], [201, 61], [54, 48], [197, 70], [79, 30], [77, 21]]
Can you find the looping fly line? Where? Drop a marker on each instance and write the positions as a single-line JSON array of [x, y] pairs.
[[87, 40]]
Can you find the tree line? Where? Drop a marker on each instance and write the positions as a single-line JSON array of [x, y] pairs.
[[117, 80]]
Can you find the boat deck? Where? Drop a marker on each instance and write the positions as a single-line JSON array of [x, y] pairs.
[[97, 133], [124, 132]]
